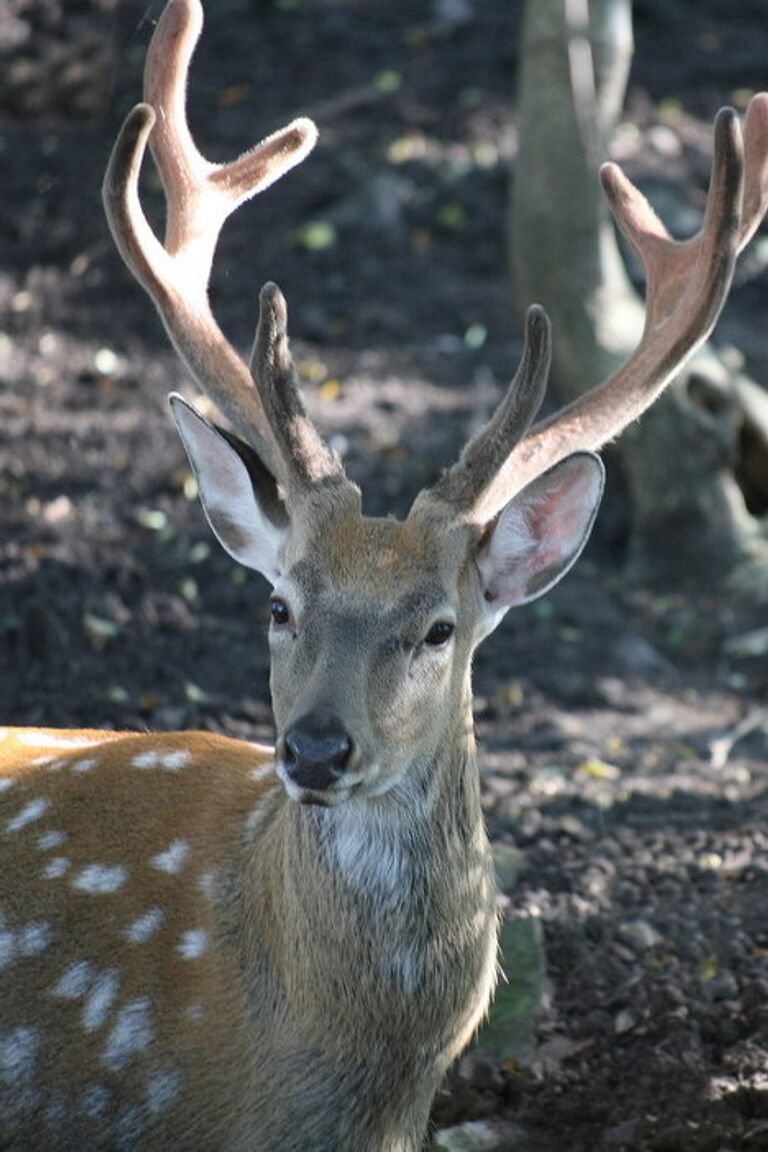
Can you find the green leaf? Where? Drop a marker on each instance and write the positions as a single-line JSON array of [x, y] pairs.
[[388, 81], [317, 235]]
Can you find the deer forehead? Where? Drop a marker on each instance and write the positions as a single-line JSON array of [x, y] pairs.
[[378, 560]]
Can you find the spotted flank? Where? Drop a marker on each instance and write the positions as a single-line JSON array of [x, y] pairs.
[[115, 853]]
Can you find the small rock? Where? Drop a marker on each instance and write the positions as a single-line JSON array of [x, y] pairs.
[[508, 862], [640, 935], [636, 655], [575, 829], [664, 141], [624, 1022], [480, 1136], [749, 644], [621, 1135], [724, 986]]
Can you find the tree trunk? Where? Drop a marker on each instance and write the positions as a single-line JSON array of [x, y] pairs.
[[690, 520]]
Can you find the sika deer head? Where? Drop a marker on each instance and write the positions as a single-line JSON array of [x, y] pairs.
[[374, 622]]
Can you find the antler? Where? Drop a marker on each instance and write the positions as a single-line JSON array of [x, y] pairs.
[[687, 283], [486, 454], [308, 461], [200, 196]]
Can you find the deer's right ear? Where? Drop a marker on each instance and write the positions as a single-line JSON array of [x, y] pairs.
[[238, 494]]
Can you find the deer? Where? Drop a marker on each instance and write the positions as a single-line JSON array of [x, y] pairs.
[[206, 943]]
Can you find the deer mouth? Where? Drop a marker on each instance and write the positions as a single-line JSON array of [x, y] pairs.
[[310, 791]]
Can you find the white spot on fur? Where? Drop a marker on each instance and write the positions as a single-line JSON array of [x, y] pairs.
[[101, 997], [262, 772], [194, 1012], [261, 810], [207, 883], [167, 761], [58, 866], [144, 927], [97, 879], [50, 740], [7, 948], [48, 840], [58, 1110], [41, 761], [19, 1053], [193, 944], [172, 860], [55, 765], [74, 981], [3, 733], [163, 1090], [5, 783], [95, 1100], [129, 1130], [175, 761], [254, 818], [35, 937], [133, 1031], [85, 765], [145, 760], [29, 813]]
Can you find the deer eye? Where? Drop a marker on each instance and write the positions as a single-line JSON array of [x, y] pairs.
[[439, 634], [279, 611]]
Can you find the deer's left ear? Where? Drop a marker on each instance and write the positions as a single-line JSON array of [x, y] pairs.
[[540, 534]]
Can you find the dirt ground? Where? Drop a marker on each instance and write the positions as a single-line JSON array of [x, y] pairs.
[[625, 730]]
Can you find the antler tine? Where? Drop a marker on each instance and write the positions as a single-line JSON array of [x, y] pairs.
[[200, 196], [687, 283], [311, 462], [755, 167], [462, 486]]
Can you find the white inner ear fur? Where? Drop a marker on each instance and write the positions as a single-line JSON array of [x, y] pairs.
[[227, 494], [540, 534]]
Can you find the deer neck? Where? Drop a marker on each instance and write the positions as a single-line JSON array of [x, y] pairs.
[[398, 890]]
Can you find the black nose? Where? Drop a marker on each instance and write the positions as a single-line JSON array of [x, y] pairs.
[[317, 751]]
